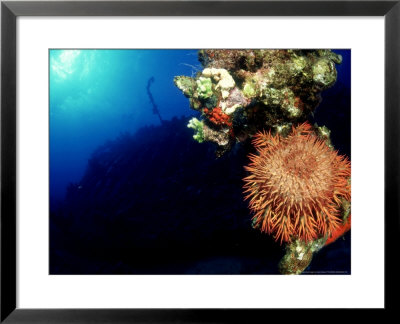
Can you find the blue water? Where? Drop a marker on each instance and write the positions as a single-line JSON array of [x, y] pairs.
[[97, 94]]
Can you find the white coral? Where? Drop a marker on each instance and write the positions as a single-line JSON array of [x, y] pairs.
[[224, 79]]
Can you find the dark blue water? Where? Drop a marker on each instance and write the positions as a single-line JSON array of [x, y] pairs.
[[131, 194], [97, 94], [335, 108]]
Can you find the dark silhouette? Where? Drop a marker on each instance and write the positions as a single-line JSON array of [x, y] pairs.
[[157, 202], [155, 108]]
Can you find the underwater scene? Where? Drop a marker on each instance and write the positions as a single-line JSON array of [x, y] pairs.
[[200, 161]]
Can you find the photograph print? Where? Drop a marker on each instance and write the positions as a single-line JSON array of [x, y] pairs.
[[200, 161]]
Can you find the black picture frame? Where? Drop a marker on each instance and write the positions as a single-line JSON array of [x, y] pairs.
[[10, 10]]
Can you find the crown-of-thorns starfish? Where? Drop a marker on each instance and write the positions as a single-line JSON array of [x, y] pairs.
[[296, 185]]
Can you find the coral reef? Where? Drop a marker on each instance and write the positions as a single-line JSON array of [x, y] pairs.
[[257, 89], [297, 185]]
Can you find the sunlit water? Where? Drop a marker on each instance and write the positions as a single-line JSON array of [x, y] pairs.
[[97, 94]]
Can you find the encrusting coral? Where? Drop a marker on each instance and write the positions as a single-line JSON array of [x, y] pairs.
[[197, 125], [257, 89]]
